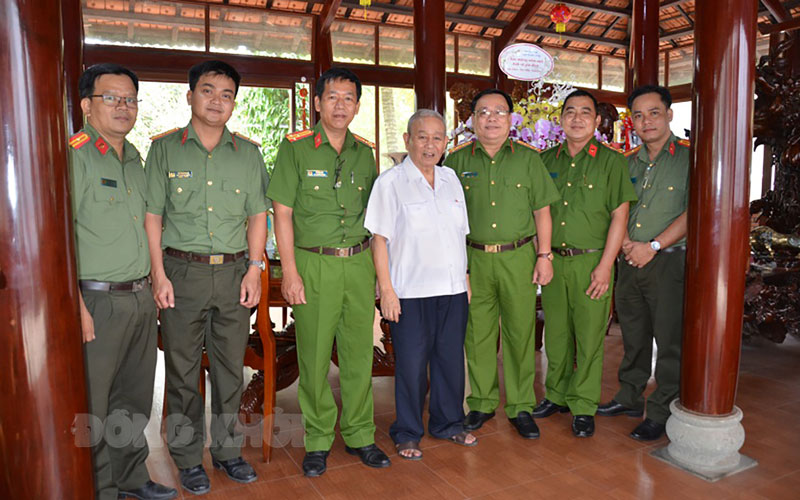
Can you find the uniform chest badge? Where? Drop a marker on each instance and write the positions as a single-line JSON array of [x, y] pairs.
[[469, 174], [108, 182], [316, 173], [186, 174], [633, 180]]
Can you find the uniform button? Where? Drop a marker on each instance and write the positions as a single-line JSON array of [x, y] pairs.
[[316, 188], [638, 225], [135, 217], [209, 156], [180, 190], [492, 162], [492, 183], [563, 244], [572, 165], [650, 165], [519, 185], [210, 209], [342, 221], [341, 206], [670, 188], [563, 223], [129, 191], [569, 184], [210, 183], [644, 206], [494, 225], [238, 191], [111, 199], [493, 203], [466, 188], [211, 234], [590, 186], [566, 202], [360, 188]]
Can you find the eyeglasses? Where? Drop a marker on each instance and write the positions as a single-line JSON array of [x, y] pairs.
[[486, 113], [113, 100]]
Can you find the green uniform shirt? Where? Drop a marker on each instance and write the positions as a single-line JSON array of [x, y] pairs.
[[205, 197], [502, 192], [108, 203], [592, 185], [662, 187], [328, 191]]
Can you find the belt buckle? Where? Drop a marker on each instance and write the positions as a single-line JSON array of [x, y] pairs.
[[341, 252], [491, 248], [137, 286], [216, 259]]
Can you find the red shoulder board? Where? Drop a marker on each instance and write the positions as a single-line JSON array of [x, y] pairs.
[[684, 142], [460, 147], [529, 146], [631, 152], [78, 140], [302, 134], [240, 136], [164, 134], [612, 148], [364, 141]]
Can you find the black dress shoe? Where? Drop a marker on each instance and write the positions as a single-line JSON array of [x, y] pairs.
[[613, 408], [195, 480], [236, 469], [525, 425], [583, 426], [547, 408], [475, 420], [370, 455], [315, 463], [648, 430], [150, 491]]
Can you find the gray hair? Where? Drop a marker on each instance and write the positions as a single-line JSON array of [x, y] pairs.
[[425, 113]]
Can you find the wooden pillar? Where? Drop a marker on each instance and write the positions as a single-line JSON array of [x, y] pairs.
[[429, 54], [718, 252], [643, 52], [72, 28], [42, 384]]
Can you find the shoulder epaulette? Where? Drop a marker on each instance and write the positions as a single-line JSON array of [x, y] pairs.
[[79, 140], [684, 142], [632, 152], [460, 147], [241, 136], [529, 146], [164, 134], [364, 141], [301, 134], [612, 148]]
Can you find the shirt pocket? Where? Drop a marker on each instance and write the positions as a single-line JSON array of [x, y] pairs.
[[184, 196], [234, 196], [109, 212], [669, 197], [592, 193], [417, 217]]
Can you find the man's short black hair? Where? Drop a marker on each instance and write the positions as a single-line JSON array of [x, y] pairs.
[[337, 73], [666, 97], [92, 73], [215, 68], [490, 92], [579, 93]]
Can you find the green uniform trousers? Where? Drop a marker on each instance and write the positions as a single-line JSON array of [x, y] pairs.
[[573, 319], [340, 304], [501, 290], [650, 306], [120, 371], [207, 313]]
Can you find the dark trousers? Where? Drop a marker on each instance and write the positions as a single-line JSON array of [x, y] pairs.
[[650, 306], [430, 332]]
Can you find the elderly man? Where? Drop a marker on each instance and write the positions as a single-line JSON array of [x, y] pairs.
[[418, 219], [508, 195], [118, 315], [650, 288]]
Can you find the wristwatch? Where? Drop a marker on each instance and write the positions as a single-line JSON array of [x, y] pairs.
[[545, 255], [258, 263], [655, 245]]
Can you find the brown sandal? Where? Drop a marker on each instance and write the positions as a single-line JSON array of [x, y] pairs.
[[461, 438], [409, 445]]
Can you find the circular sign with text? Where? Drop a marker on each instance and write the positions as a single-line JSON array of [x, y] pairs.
[[525, 61]]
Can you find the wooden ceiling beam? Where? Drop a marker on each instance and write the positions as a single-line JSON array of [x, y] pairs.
[[327, 15], [778, 11], [579, 37], [593, 7], [517, 24]]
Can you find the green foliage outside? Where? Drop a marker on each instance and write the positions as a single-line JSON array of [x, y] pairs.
[[264, 114]]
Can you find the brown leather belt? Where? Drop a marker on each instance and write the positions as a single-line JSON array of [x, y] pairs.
[[339, 252], [500, 247], [213, 260], [572, 252], [114, 286]]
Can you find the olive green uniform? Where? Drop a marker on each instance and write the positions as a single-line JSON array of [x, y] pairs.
[[205, 198], [328, 193], [501, 193], [650, 300], [108, 204], [592, 184]]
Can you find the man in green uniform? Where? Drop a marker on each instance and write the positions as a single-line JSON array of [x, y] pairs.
[[649, 293], [207, 188], [321, 185], [589, 224], [118, 316], [508, 193]]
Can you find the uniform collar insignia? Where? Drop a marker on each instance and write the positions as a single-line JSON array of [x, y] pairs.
[[511, 143], [317, 140], [184, 136], [101, 146], [559, 149], [672, 148], [592, 150]]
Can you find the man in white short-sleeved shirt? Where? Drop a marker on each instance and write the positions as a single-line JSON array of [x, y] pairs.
[[418, 217]]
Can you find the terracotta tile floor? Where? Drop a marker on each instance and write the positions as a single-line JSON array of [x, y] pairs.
[[609, 465]]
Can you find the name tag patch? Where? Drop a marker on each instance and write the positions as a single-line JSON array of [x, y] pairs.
[[108, 182], [186, 174], [469, 174], [633, 180], [553, 174], [316, 173]]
